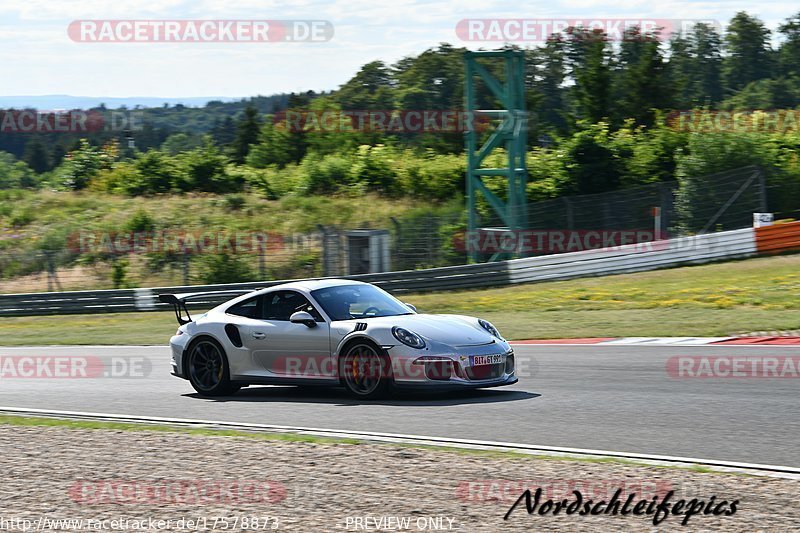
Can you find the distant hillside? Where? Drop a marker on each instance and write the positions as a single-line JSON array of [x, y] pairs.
[[63, 101], [216, 117]]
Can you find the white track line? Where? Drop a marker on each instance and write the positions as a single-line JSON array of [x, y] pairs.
[[723, 466]]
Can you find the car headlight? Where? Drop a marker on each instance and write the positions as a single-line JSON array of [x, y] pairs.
[[490, 328], [408, 338]]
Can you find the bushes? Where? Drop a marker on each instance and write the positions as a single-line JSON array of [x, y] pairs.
[[374, 169], [140, 222], [152, 172], [204, 169], [225, 268], [706, 154], [15, 174], [383, 169], [593, 159], [434, 176], [326, 174], [272, 182], [83, 164]]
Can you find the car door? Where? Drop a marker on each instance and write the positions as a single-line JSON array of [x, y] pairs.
[[287, 349]]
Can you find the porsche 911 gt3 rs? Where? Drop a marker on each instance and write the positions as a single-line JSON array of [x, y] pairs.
[[333, 332]]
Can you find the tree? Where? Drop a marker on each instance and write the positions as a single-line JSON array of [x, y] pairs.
[[181, 142], [368, 89], [681, 69], [274, 147], [15, 174], [789, 52], [157, 174], [433, 80], [204, 169], [36, 156], [224, 131], [83, 164], [548, 66], [247, 131], [708, 154], [706, 45], [592, 72], [642, 82], [592, 167], [749, 52], [57, 154]]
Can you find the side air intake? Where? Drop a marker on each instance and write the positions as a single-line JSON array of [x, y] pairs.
[[233, 334]]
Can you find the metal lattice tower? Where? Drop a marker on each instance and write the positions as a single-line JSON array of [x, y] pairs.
[[510, 134]]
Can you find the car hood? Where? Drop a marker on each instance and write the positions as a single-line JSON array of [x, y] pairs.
[[447, 329]]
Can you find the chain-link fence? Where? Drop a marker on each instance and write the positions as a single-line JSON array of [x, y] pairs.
[[723, 201], [127, 260]]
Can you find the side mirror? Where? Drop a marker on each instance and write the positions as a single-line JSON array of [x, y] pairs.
[[303, 317], [413, 308]]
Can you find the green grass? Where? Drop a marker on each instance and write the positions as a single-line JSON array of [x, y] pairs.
[[13, 420], [27, 421], [37, 213], [31, 221], [708, 300]]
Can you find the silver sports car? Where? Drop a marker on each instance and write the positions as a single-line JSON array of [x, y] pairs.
[[333, 332]]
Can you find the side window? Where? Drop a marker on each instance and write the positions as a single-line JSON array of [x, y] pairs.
[[249, 308], [281, 305]]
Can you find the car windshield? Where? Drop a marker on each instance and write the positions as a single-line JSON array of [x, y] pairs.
[[358, 301]]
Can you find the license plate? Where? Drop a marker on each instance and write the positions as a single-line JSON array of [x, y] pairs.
[[481, 360]]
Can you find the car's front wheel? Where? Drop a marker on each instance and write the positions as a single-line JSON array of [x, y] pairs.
[[208, 369], [365, 370]]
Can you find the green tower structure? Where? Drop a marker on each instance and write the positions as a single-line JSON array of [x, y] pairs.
[[511, 134]]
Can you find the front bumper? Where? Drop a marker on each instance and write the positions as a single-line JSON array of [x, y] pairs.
[[414, 369], [452, 385]]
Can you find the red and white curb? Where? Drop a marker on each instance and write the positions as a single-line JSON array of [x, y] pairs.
[[419, 440], [669, 341]]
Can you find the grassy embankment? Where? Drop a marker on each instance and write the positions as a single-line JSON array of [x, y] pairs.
[[31, 221]]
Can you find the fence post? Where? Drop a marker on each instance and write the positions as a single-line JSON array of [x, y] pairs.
[[262, 266], [185, 267], [570, 221], [52, 276], [398, 243], [762, 191]]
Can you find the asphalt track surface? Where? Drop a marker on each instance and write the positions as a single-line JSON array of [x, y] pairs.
[[616, 398]]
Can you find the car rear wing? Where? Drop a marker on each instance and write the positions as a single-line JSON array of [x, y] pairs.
[[178, 301]]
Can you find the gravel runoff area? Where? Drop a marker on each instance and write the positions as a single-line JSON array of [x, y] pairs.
[[124, 480]]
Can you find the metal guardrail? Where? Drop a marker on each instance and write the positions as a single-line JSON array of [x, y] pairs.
[[628, 258]]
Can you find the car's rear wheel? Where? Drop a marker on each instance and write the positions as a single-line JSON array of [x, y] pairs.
[[365, 370], [208, 369]]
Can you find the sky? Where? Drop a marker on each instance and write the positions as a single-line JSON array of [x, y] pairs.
[[38, 57]]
